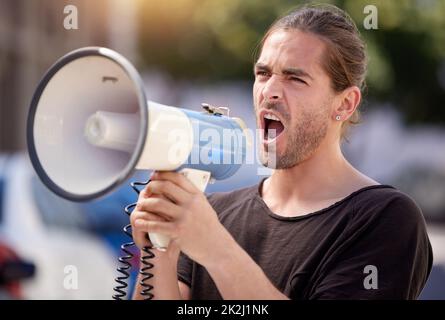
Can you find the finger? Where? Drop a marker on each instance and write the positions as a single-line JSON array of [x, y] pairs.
[[169, 190], [160, 196], [160, 206], [165, 228], [144, 193], [141, 239], [147, 216], [177, 178], [139, 236]]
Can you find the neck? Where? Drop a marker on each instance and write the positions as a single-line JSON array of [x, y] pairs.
[[325, 176]]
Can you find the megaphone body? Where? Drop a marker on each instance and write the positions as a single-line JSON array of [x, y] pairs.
[[90, 127]]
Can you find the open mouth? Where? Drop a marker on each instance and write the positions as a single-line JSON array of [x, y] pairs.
[[273, 127]]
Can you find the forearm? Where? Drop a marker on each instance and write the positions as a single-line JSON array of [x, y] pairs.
[[236, 274], [164, 280]]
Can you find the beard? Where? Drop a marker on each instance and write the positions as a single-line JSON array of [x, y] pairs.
[[303, 138]]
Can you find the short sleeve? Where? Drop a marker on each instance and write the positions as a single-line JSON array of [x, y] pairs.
[[386, 255]]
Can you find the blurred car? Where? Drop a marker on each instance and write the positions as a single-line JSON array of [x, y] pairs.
[[13, 270], [71, 263], [435, 286]]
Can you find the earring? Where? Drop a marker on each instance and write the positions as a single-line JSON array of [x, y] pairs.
[[338, 118]]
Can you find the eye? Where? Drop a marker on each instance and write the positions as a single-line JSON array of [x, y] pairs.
[[298, 80], [262, 74]]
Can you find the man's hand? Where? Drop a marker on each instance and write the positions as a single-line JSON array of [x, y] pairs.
[[139, 232], [173, 206]]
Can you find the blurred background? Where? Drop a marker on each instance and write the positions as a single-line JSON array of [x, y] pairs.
[[189, 52]]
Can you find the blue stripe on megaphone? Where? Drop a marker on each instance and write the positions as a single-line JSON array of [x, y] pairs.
[[219, 145]]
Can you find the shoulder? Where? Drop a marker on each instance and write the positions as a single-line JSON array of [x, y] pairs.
[[388, 205], [381, 197]]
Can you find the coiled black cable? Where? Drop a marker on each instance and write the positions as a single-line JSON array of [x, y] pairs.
[[124, 268], [146, 275]]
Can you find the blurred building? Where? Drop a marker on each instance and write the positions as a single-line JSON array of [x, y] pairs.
[[33, 37]]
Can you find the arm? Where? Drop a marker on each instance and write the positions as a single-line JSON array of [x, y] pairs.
[[185, 290], [236, 274], [164, 280]]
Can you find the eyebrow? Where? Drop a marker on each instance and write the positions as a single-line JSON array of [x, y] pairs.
[[288, 71]]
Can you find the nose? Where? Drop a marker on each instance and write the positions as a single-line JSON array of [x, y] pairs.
[[273, 89]]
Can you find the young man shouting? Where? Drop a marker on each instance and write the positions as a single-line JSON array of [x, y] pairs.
[[317, 227]]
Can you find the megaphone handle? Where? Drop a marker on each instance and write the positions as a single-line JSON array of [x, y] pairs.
[[200, 179]]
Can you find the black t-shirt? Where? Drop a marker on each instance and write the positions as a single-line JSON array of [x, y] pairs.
[[372, 244]]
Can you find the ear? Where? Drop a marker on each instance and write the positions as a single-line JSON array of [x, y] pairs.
[[348, 101]]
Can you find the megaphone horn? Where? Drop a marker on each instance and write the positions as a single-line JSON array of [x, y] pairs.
[[90, 127]]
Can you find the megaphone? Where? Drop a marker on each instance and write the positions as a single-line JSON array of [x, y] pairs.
[[90, 127]]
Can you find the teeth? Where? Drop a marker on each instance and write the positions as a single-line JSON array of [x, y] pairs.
[[271, 117]]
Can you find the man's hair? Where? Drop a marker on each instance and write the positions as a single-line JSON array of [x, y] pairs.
[[345, 59]]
